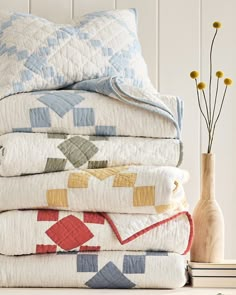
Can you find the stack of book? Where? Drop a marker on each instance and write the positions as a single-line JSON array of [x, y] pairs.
[[218, 275]]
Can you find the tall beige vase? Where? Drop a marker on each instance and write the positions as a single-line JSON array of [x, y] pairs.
[[208, 241]]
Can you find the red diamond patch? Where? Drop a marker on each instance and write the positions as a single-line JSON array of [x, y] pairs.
[[69, 233], [90, 217], [89, 248], [40, 249], [48, 215]]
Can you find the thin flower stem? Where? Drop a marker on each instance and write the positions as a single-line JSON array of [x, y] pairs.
[[217, 118], [200, 107], [209, 124], [212, 43], [208, 115], [214, 108], [209, 141]]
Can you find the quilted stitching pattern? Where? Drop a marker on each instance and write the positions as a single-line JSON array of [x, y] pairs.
[[160, 272], [69, 233], [69, 190], [60, 114], [46, 230], [43, 55]]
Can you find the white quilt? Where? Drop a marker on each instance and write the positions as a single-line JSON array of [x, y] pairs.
[[51, 231], [132, 189], [86, 113], [105, 269], [30, 153]]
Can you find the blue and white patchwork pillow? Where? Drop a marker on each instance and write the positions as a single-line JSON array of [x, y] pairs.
[[36, 54]]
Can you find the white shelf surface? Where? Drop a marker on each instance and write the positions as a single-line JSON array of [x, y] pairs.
[[52, 291]]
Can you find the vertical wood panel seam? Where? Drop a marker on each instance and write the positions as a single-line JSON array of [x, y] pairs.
[[158, 66], [72, 9], [200, 65], [115, 4], [29, 6]]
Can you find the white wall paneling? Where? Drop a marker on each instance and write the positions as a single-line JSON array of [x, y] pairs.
[[86, 6], [179, 48], [175, 37], [15, 5], [55, 10]]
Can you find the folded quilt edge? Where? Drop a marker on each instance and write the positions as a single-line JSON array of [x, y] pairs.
[[143, 231]]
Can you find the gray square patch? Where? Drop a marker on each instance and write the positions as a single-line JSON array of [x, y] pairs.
[[55, 164], [156, 253], [97, 164], [78, 150], [87, 263], [134, 264]]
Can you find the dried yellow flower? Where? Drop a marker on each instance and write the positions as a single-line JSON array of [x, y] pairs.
[[201, 85], [216, 25], [194, 74], [228, 81], [219, 74]]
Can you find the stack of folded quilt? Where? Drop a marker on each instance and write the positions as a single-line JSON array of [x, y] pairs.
[[90, 195]]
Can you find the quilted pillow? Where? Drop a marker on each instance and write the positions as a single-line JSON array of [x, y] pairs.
[[36, 54]]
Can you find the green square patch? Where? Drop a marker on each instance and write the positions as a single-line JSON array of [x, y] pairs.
[[55, 164], [78, 150]]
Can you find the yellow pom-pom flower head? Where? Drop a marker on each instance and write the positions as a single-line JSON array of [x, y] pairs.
[[194, 74], [201, 85], [217, 25], [228, 81], [219, 74]]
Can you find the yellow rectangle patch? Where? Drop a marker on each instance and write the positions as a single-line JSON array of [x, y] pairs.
[[78, 180], [57, 198], [144, 196], [125, 180]]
